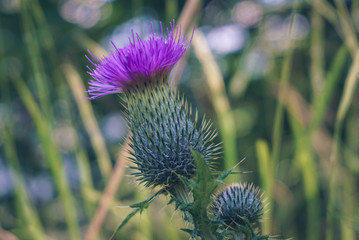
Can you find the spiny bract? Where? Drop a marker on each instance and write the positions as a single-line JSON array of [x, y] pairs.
[[163, 134], [236, 202]]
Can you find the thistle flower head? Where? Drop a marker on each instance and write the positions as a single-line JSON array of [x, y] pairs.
[[140, 61], [163, 134], [238, 202]]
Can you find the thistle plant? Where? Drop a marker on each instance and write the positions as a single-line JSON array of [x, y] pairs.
[[171, 150]]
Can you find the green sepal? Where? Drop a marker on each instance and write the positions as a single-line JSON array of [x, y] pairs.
[[228, 172], [144, 204]]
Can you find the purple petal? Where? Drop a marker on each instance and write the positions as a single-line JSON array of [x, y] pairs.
[[141, 60]]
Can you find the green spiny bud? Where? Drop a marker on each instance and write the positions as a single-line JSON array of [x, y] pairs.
[[237, 203], [163, 134]]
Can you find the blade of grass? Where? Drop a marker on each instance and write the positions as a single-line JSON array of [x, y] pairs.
[[188, 14], [347, 26], [334, 181], [352, 163], [304, 156], [284, 79], [32, 45], [241, 77], [266, 173], [328, 12], [351, 133], [219, 99], [340, 20], [47, 43], [49, 48], [52, 155], [317, 45], [109, 193], [26, 212], [89, 120], [82, 160], [321, 101], [299, 116], [85, 176], [349, 210]]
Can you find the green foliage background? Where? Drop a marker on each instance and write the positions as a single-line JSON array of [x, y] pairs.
[[288, 105]]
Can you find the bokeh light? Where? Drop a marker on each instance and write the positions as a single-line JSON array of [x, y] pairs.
[[247, 13], [85, 13], [226, 39]]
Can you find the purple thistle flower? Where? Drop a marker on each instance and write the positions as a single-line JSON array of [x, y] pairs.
[[140, 61]]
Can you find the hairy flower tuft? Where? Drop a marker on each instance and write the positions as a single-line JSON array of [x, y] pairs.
[[140, 61], [238, 202]]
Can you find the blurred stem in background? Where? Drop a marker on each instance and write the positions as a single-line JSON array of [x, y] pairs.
[[218, 95], [347, 26], [338, 179], [266, 173], [322, 100], [317, 45], [171, 10], [48, 46], [86, 111], [284, 79], [26, 212], [34, 58], [278, 116], [89, 120], [83, 163], [107, 197], [46, 40], [305, 160], [52, 155], [27, 215]]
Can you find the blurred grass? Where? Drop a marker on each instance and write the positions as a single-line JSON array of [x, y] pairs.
[[28, 218], [221, 105], [27, 215], [336, 173], [52, 156], [305, 139], [284, 79], [88, 117], [304, 159], [34, 58], [266, 170]]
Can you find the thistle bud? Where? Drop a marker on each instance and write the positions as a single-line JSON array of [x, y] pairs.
[[237, 203]]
